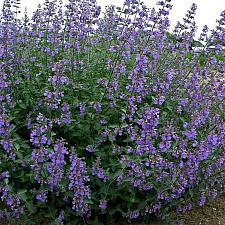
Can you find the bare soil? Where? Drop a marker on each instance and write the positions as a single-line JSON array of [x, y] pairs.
[[212, 213]]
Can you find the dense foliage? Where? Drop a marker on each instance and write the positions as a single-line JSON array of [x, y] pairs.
[[108, 114]]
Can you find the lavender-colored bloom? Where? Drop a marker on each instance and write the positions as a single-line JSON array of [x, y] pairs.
[[133, 215], [65, 115], [42, 195], [60, 219], [191, 134], [6, 141], [78, 186], [103, 204], [90, 148], [202, 199], [38, 135], [99, 172], [12, 200], [82, 109], [57, 157], [97, 107], [53, 99], [58, 80]]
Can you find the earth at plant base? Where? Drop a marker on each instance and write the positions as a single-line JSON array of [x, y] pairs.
[[212, 213]]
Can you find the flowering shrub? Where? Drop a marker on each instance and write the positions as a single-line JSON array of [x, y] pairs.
[[108, 114]]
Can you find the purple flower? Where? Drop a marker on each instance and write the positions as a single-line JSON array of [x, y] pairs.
[[42, 195], [103, 204], [202, 199], [191, 134], [65, 115], [77, 184], [100, 173], [133, 215], [97, 107], [60, 218], [57, 157], [90, 148], [82, 109]]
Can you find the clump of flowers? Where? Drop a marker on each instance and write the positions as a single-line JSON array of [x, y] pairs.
[[109, 112]]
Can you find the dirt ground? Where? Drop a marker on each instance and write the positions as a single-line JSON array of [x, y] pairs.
[[213, 213]]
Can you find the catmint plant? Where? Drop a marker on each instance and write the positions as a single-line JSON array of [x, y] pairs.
[[108, 113]]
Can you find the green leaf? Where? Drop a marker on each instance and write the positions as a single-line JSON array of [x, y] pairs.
[[141, 205], [114, 210], [31, 208], [191, 192], [114, 126], [89, 201], [22, 194], [202, 58], [95, 222], [189, 55], [17, 146]]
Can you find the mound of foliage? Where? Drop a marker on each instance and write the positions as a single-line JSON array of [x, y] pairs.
[[106, 115]]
